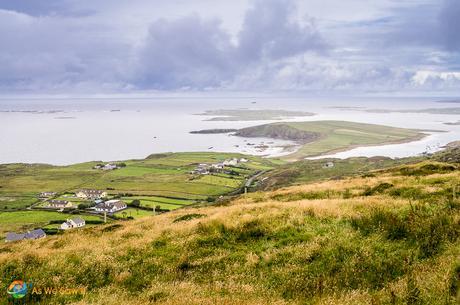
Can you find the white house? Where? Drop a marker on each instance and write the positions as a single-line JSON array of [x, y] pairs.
[[59, 204], [46, 195], [109, 167], [231, 162], [111, 206], [328, 165], [73, 223], [90, 194]]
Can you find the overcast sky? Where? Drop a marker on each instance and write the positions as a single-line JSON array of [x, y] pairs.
[[329, 46]]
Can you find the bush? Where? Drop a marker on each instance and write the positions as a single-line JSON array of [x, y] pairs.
[[427, 169], [421, 228], [83, 206], [188, 217], [304, 196], [112, 227], [135, 203], [407, 193], [378, 189]]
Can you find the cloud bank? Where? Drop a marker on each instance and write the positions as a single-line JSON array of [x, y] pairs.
[[83, 46]]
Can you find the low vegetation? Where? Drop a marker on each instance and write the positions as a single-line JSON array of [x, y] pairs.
[[384, 238]]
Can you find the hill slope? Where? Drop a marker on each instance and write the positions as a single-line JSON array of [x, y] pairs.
[[388, 239]]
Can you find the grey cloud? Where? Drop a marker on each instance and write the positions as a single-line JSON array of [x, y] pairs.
[[48, 45], [191, 52], [270, 31], [42, 53], [449, 19], [44, 7]]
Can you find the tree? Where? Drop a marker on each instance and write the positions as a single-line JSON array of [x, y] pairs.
[[136, 203], [83, 206]]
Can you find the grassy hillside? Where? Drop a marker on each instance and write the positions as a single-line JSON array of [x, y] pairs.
[[307, 171], [388, 238], [323, 137]]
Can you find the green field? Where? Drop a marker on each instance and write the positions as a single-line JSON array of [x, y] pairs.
[[163, 202], [26, 220], [133, 212], [323, 137], [162, 179]]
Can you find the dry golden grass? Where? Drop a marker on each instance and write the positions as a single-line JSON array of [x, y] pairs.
[[94, 248]]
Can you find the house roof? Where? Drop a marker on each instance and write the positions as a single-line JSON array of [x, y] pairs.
[[35, 234], [108, 205], [58, 202], [78, 220], [11, 236], [91, 192]]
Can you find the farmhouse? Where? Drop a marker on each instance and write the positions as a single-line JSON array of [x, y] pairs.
[[73, 223], [201, 169], [35, 234], [206, 169], [90, 194], [111, 206], [328, 165], [59, 204], [231, 162], [44, 195], [109, 166]]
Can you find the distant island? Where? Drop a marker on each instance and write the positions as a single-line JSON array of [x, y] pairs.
[[452, 123], [252, 114], [213, 131], [326, 137]]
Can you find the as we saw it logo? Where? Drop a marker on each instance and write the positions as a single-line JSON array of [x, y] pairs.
[[18, 289]]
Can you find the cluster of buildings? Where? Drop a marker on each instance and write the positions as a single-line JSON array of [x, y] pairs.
[[106, 167], [206, 169], [110, 206]]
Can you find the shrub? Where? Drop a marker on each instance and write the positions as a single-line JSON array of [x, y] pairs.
[[378, 189], [304, 196], [135, 203], [188, 217], [112, 227], [454, 287], [421, 228], [427, 169], [407, 193]]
